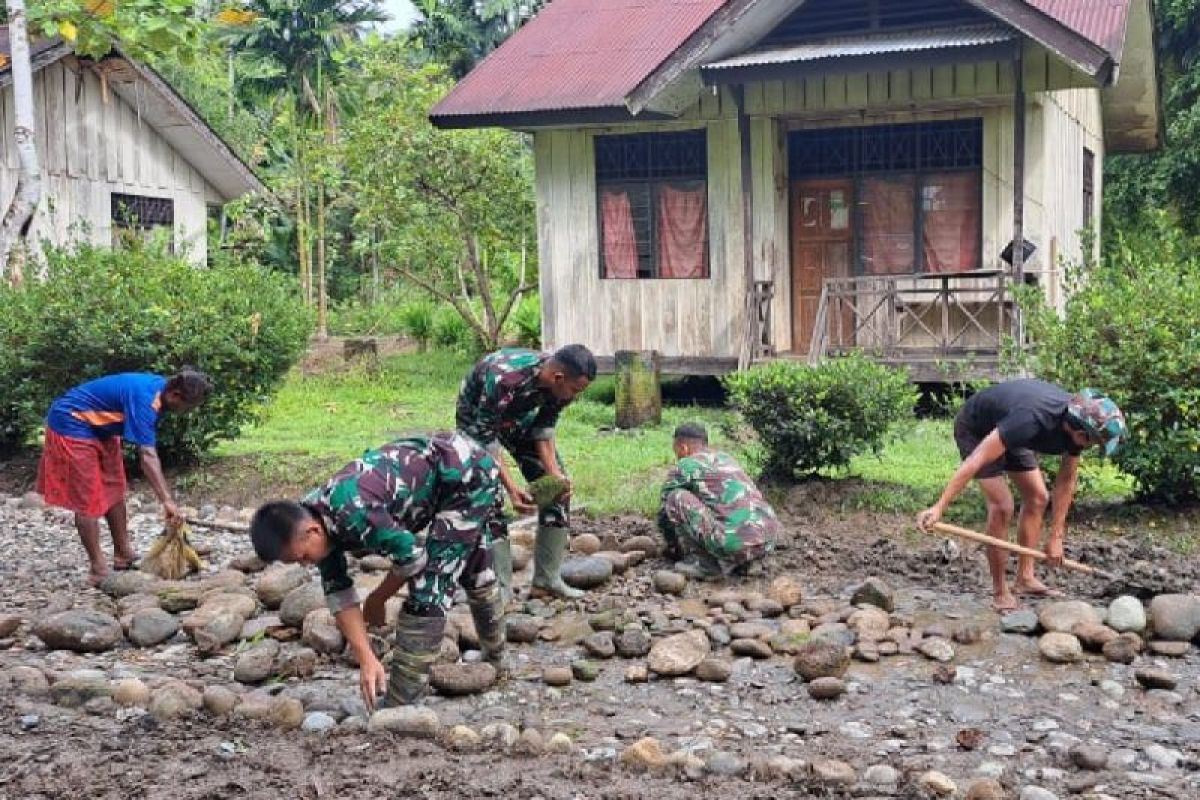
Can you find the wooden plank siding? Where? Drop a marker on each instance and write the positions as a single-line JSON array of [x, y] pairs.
[[93, 146]]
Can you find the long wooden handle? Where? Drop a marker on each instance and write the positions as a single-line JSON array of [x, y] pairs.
[[975, 536], [236, 527]]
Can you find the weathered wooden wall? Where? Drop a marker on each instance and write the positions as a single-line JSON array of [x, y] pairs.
[[91, 147]]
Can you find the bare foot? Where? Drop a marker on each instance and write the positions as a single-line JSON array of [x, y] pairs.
[[122, 563], [96, 578], [1003, 603], [1035, 588]]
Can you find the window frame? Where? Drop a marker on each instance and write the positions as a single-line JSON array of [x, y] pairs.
[[1089, 189], [127, 225]]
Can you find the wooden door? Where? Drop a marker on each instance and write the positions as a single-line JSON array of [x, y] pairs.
[[822, 242]]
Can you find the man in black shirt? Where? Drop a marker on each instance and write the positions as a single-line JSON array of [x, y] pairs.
[[1002, 429]]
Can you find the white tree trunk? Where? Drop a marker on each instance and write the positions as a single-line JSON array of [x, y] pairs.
[[15, 226]]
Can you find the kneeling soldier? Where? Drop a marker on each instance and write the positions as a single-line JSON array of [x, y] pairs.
[[712, 508], [444, 484]]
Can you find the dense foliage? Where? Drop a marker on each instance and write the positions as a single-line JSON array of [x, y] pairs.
[[810, 418], [99, 312], [1132, 330]]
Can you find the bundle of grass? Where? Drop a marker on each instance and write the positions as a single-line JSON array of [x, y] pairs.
[[547, 489], [171, 557]]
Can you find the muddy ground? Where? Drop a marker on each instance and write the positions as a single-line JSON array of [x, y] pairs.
[[1003, 712]]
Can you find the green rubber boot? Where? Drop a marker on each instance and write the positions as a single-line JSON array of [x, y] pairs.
[[418, 640], [487, 610], [548, 549], [502, 562]]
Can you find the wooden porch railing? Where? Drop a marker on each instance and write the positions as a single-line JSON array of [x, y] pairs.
[[935, 317]]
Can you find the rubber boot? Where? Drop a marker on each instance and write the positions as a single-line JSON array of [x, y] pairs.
[[418, 639], [700, 566], [548, 550], [487, 610], [502, 561]]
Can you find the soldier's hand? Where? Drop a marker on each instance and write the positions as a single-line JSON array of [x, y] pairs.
[[522, 501], [927, 518], [372, 681]]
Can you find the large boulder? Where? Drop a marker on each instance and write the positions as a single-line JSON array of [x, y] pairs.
[[874, 592], [1062, 616], [174, 698], [212, 631], [458, 680], [83, 630], [678, 654], [321, 632], [586, 572], [257, 663], [151, 626], [176, 596], [1175, 617], [275, 582], [415, 721], [126, 582], [299, 602], [1060, 648], [79, 687], [1126, 614], [821, 659]]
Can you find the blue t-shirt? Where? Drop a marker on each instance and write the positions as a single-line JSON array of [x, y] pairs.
[[125, 405]]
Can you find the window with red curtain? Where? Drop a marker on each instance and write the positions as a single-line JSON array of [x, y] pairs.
[[652, 204], [887, 225], [950, 216]]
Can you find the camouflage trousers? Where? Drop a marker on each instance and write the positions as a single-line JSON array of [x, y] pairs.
[[691, 523], [450, 564], [524, 452]]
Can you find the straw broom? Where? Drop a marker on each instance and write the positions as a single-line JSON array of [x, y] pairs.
[[170, 556]]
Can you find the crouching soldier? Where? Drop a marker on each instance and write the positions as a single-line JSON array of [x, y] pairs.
[[443, 484], [711, 508]]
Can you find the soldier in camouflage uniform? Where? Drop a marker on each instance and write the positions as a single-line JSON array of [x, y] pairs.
[[712, 508], [443, 484], [511, 400]]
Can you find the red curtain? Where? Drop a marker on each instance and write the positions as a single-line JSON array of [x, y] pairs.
[[620, 241], [888, 222], [682, 230], [950, 203]]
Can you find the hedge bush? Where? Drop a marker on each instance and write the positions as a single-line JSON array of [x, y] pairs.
[[1132, 330], [416, 320], [526, 321], [810, 418], [100, 311]]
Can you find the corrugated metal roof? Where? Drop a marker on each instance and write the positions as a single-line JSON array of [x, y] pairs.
[[577, 54], [1099, 21], [870, 44]]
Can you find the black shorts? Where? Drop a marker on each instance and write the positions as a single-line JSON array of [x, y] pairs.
[[1019, 459]]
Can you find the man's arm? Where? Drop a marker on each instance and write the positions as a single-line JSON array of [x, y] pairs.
[[373, 606], [152, 469], [372, 677], [987, 451], [1061, 498]]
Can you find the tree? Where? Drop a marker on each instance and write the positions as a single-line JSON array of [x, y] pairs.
[[460, 33], [453, 210]]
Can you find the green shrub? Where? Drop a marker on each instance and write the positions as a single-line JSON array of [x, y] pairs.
[[526, 320], [416, 321], [451, 332], [100, 312], [1132, 330], [820, 417]]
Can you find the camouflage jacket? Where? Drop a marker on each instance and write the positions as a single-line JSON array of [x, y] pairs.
[[382, 501], [723, 486], [500, 401]]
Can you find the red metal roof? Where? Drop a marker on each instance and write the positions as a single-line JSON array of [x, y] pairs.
[[577, 54], [1099, 21]]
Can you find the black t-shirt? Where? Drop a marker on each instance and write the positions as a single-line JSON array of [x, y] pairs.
[[1028, 414]]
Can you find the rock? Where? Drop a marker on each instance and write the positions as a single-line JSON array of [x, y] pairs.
[[31, 500], [81, 629], [217, 629], [1063, 615], [177, 596], [719, 635], [247, 562], [521, 628], [1170, 649], [869, 623], [286, 713], [418, 722], [121, 583], [644, 754], [374, 563], [768, 608], [1060, 648], [881, 776], [874, 592], [219, 700], [1113, 689], [560, 744], [726, 764], [320, 632], [1151, 678], [299, 663], [644, 544], [78, 688], [557, 676], [1175, 616], [244, 605], [151, 626], [600, 645], [584, 670], [459, 680], [1126, 613], [678, 654], [820, 659], [1123, 649], [967, 633], [257, 663], [318, 722], [131, 692], [1024, 621], [633, 643], [714, 670], [831, 772], [529, 743], [253, 706], [937, 784], [826, 688], [1093, 636], [586, 544], [786, 591], [1090, 757], [754, 648], [668, 582], [299, 602], [835, 633], [277, 581], [462, 737], [521, 556], [637, 673], [937, 649], [500, 733], [586, 572], [8, 625], [750, 630], [174, 698], [29, 681], [1037, 793], [986, 789], [1163, 757]]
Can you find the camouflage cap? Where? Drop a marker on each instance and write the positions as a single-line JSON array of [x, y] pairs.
[[1098, 416]]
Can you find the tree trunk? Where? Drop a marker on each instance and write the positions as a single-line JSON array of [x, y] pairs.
[[322, 294], [15, 226]]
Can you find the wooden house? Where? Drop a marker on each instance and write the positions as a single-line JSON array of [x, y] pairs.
[[725, 181], [122, 154]]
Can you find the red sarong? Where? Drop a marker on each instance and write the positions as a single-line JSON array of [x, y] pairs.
[[86, 476]]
